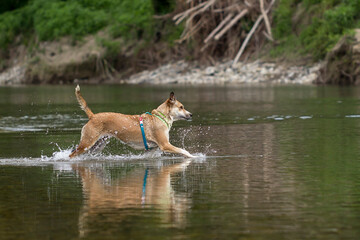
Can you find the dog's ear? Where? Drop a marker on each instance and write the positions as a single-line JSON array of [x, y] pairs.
[[172, 98]]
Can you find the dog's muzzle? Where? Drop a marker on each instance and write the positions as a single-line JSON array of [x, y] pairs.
[[188, 117]]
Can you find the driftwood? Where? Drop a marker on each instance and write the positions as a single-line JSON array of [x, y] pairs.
[[258, 21], [266, 19], [181, 16], [232, 22], [217, 25]]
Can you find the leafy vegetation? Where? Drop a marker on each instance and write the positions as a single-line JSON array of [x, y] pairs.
[[323, 23], [52, 19], [133, 19], [300, 27]]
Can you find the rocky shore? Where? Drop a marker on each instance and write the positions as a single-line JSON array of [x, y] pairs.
[[182, 72], [185, 73]]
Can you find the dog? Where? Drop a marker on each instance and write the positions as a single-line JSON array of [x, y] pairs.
[[127, 128]]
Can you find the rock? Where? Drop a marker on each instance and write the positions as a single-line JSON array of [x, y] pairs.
[[291, 75], [13, 76], [311, 78], [210, 71]]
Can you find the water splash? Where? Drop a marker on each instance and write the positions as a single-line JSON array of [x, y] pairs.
[[183, 134], [61, 155]]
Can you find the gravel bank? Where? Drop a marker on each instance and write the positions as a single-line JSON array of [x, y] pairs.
[[182, 72]]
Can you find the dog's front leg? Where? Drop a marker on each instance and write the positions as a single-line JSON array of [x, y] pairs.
[[167, 147]]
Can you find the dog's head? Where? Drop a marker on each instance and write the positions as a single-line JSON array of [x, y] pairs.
[[177, 110]]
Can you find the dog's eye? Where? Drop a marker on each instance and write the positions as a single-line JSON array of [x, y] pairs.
[[181, 107]]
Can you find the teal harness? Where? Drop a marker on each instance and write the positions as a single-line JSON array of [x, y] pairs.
[[143, 131], [142, 127]]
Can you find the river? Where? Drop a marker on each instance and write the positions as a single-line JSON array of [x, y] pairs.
[[273, 162]]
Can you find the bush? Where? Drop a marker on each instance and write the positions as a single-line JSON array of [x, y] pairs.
[[324, 32], [282, 19], [10, 25], [56, 19], [133, 19], [51, 19], [331, 20]]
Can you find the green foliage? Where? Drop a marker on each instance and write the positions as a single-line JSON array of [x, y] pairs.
[[133, 19], [112, 47], [56, 19], [10, 24], [291, 48], [52, 19], [324, 32], [173, 33], [282, 19], [97, 4], [331, 20]]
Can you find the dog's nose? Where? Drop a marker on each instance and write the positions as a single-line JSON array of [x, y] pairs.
[[190, 114]]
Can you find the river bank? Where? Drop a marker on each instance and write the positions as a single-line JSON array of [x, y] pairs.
[[94, 42], [191, 73], [257, 71]]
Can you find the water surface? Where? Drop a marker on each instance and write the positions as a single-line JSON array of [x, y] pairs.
[[274, 162]]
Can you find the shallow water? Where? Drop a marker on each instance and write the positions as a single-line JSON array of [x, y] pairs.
[[273, 162]]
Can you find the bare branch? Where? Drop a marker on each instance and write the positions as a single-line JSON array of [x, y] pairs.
[[232, 22], [181, 16], [266, 20], [223, 22], [248, 37]]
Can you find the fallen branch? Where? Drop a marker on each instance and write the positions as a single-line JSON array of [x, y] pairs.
[[203, 9], [188, 34], [267, 36], [181, 16], [266, 20], [257, 23], [227, 9], [223, 22], [166, 16], [192, 30], [232, 22]]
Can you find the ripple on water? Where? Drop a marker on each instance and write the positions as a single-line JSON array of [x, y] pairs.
[[305, 117], [40, 122], [352, 116]]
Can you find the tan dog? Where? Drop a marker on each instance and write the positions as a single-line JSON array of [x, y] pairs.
[[127, 127]]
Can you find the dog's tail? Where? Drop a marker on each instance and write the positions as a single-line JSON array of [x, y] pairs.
[[83, 103]]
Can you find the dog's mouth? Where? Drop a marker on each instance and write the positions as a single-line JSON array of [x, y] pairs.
[[188, 118]]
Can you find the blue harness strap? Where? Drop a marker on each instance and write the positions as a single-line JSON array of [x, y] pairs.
[[144, 187], [143, 131]]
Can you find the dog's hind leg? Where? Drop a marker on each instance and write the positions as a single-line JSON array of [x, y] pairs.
[[89, 136]]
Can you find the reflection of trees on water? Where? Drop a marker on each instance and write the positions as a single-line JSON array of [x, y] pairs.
[[248, 171]]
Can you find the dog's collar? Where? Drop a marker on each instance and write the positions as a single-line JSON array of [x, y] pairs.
[[163, 118]]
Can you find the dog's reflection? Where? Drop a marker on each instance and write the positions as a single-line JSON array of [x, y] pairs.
[[106, 198]]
